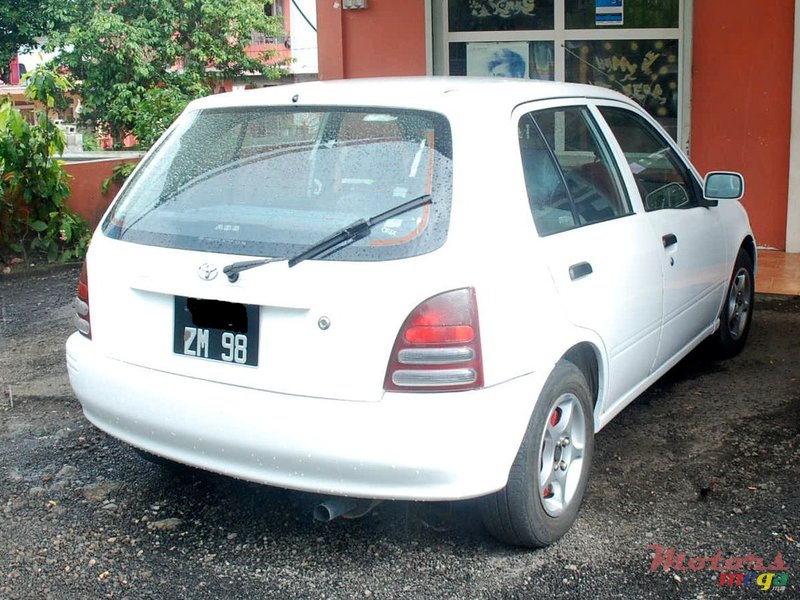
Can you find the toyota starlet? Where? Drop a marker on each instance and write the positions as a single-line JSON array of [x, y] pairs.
[[423, 288]]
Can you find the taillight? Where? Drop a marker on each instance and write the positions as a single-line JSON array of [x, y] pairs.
[[82, 321], [438, 347]]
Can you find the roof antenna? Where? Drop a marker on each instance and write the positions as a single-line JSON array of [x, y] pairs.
[[606, 75]]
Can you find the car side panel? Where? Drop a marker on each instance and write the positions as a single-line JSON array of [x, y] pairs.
[[695, 274], [620, 299]]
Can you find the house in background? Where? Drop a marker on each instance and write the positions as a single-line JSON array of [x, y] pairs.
[[10, 86], [298, 44], [722, 76]]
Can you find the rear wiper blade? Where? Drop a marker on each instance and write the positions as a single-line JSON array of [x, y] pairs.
[[356, 231], [333, 243]]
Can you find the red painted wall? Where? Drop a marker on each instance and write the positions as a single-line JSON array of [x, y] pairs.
[[386, 38], [741, 102], [86, 183]]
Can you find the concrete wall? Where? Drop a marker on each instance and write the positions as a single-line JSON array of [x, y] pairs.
[[303, 36], [742, 102], [387, 38], [87, 179]]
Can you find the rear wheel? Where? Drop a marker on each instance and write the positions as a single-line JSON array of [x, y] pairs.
[[548, 479], [737, 310]]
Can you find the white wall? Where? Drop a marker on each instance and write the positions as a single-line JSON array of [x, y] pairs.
[[304, 37], [793, 208], [34, 58]]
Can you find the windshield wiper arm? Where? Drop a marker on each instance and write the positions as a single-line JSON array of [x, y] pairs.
[[336, 241], [233, 270], [356, 231]]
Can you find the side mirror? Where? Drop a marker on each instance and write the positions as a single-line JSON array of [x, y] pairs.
[[723, 185]]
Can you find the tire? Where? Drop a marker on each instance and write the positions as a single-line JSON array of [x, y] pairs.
[[548, 479], [737, 310]]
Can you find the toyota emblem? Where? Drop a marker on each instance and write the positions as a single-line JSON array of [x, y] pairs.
[[206, 272]]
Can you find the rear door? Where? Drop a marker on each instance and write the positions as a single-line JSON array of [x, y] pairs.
[[601, 254]]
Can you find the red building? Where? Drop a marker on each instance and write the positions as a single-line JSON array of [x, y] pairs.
[[720, 75]]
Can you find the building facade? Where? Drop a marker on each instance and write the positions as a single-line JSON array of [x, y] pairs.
[[718, 74], [297, 45]]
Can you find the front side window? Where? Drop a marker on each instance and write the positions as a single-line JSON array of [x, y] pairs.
[[569, 173], [271, 181], [663, 179]]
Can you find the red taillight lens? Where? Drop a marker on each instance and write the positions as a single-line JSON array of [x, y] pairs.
[[439, 334], [82, 321], [438, 347]]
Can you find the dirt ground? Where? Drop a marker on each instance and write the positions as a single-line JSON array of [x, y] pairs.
[[705, 462]]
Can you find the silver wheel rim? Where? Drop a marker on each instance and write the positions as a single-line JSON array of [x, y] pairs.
[[563, 447], [739, 303]]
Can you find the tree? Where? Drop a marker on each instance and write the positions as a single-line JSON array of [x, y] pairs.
[[123, 50], [33, 183], [23, 21]]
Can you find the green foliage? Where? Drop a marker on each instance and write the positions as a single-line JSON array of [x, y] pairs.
[[90, 143], [22, 21], [155, 112], [33, 185], [48, 87], [137, 59], [118, 175]]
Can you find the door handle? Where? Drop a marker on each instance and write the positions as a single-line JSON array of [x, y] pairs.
[[578, 270], [669, 240]]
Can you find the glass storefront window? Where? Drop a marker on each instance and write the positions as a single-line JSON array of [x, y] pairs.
[[631, 46], [645, 70], [637, 14], [527, 60], [500, 15]]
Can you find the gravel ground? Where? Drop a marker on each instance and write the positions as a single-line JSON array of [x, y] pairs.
[[706, 461]]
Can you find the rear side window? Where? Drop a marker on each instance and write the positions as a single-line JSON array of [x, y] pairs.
[[570, 175], [270, 181]]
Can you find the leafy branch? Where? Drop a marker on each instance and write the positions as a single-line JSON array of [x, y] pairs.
[[34, 187]]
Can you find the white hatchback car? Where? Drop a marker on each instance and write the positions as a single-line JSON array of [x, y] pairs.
[[421, 289]]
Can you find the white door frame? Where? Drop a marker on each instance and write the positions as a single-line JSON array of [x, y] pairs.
[[793, 201]]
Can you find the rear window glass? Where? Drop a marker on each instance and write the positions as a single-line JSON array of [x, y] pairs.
[[269, 181]]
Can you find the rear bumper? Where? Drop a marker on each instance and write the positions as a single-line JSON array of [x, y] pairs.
[[404, 446]]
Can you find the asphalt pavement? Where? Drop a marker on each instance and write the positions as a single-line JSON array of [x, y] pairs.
[[701, 475]]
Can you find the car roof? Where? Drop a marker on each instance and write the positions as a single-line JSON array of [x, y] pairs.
[[426, 93]]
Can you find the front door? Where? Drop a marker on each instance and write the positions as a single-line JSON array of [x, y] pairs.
[[692, 252]]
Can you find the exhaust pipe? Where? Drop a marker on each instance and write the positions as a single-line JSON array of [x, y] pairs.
[[339, 506]]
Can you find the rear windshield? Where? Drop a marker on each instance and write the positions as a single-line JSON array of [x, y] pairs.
[[269, 181]]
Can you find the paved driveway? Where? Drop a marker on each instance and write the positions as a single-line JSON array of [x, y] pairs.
[[707, 462]]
